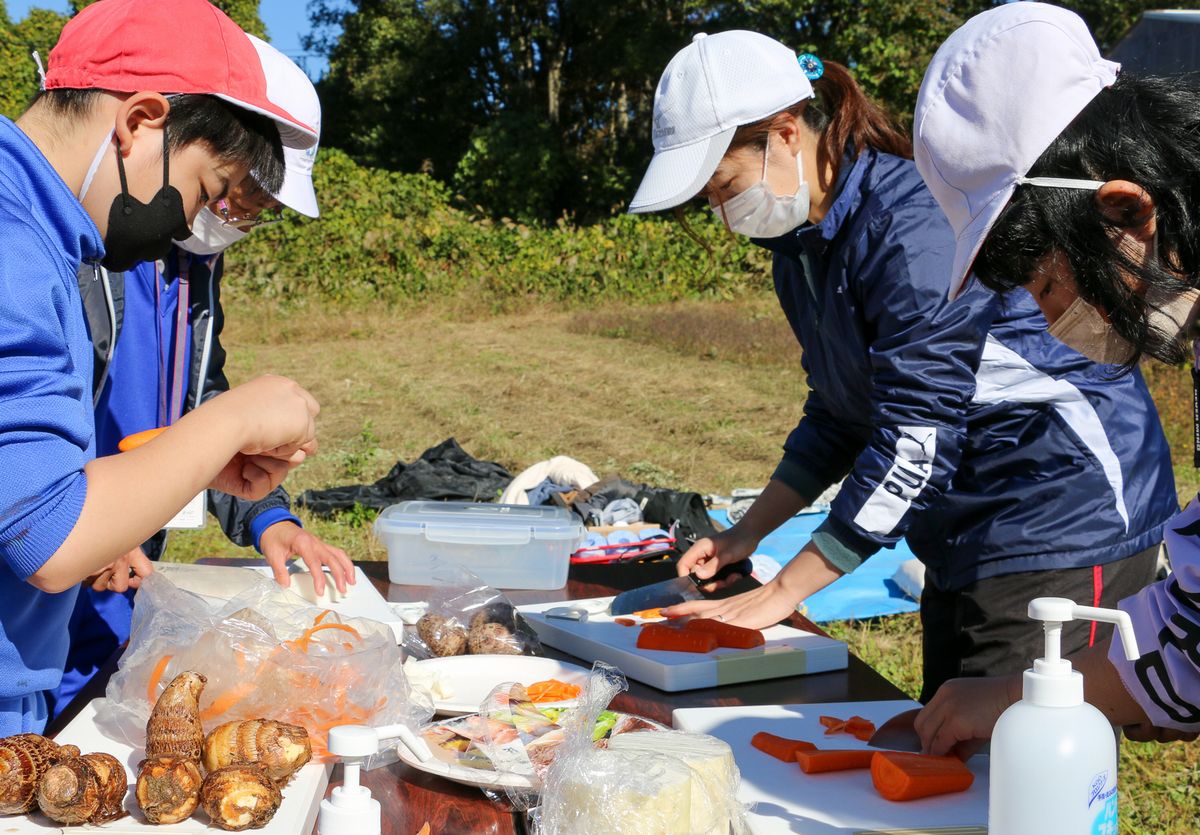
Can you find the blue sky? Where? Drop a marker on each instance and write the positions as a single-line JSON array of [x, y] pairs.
[[285, 26]]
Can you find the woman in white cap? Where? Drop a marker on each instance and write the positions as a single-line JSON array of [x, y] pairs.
[[1082, 185], [959, 425]]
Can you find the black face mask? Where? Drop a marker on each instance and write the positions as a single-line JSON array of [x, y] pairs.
[[143, 231]]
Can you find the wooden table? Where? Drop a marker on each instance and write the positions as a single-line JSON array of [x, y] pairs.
[[411, 798]]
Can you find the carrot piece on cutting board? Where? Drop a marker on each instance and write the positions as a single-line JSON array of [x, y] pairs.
[[834, 759], [649, 614], [856, 726], [901, 776], [728, 635], [657, 636], [780, 747], [625, 621]]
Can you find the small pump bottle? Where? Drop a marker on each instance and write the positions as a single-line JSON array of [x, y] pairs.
[[1054, 756]]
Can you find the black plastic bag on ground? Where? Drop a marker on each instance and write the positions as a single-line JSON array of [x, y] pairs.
[[444, 472]]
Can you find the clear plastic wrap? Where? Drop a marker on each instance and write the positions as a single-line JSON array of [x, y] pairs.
[[265, 654], [654, 782], [466, 616]]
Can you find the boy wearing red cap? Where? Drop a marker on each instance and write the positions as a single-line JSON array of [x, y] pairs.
[[104, 167]]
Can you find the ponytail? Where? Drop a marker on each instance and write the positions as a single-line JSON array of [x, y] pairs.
[[849, 122], [844, 118]]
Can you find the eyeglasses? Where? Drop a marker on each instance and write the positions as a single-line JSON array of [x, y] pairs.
[[246, 222]]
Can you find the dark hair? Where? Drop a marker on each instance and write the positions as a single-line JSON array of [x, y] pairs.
[[847, 121], [1145, 130], [234, 134]]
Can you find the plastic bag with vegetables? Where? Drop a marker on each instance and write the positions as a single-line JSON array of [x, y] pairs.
[[466, 616], [267, 654]]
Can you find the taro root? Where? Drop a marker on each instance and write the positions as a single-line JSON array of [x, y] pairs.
[[498, 611], [168, 789], [86, 789], [239, 797], [278, 748], [442, 635], [24, 758], [174, 727], [493, 639]]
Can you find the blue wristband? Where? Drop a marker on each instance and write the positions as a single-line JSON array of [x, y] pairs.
[[266, 519]]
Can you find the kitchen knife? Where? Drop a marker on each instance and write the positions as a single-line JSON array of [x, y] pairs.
[[898, 734], [673, 591]]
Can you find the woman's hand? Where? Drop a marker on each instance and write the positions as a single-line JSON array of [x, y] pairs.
[[756, 609], [711, 554], [963, 712]]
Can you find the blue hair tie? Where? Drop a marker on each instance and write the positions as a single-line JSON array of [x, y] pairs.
[[812, 66]]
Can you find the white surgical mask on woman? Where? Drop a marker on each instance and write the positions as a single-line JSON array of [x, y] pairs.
[[210, 234], [759, 212]]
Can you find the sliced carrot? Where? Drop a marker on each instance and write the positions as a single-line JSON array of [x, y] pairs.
[[899, 776], [780, 747], [834, 759], [552, 690], [856, 726], [625, 621], [728, 635], [323, 626], [227, 700], [155, 677], [657, 636], [649, 614]]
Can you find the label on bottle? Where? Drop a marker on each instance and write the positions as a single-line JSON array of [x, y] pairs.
[[1102, 802]]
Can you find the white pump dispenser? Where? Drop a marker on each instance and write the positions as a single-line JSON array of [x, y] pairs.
[[1054, 756], [350, 809]]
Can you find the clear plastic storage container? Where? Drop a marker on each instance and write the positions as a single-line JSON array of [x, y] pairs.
[[507, 546]]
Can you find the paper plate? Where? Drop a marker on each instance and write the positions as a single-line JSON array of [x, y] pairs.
[[487, 776], [473, 677]]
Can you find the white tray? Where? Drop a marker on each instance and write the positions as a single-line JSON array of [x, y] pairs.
[[788, 651], [786, 800], [297, 814]]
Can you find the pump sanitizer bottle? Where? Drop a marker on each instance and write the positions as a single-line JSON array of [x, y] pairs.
[[1054, 756]]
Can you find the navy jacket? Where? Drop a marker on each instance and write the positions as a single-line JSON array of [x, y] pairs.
[[962, 425]]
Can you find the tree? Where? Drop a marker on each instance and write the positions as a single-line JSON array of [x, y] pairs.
[[38, 31], [243, 12]]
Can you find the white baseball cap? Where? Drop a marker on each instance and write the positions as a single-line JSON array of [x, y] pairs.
[[289, 88], [713, 86], [998, 92]]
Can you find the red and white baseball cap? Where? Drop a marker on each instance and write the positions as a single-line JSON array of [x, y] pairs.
[[168, 46], [713, 86], [998, 92], [289, 87]]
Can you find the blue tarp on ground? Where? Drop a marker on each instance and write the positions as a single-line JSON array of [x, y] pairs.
[[868, 592]]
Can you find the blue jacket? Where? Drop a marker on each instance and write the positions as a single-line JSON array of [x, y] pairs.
[[46, 430], [962, 425]]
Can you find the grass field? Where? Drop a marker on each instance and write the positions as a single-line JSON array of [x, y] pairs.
[[698, 395]]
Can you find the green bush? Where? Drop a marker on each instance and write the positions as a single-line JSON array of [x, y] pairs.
[[398, 237]]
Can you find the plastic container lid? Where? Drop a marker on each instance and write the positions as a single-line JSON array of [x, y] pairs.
[[465, 522]]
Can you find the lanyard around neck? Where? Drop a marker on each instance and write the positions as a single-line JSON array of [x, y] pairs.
[[171, 408]]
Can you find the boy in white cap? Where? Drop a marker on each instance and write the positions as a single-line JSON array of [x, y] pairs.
[[161, 356], [103, 167], [1061, 175]]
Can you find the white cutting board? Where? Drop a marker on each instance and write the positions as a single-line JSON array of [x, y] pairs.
[[297, 814], [788, 651], [362, 599], [786, 800]]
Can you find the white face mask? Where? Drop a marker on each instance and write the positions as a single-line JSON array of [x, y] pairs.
[[759, 212], [1083, 328], [210, 234]]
